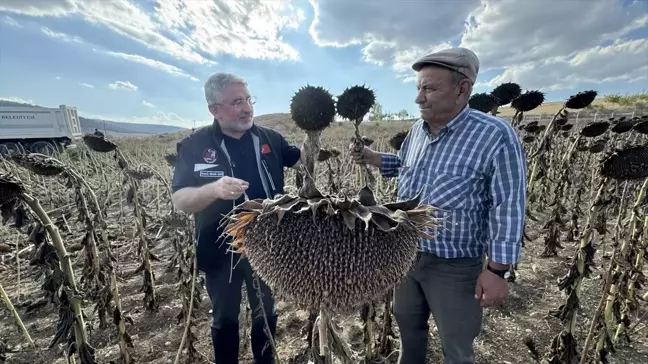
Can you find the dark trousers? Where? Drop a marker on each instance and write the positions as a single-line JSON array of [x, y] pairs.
[[445, 288], [225, 296]]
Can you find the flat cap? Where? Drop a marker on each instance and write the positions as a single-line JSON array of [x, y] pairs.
[[459, 59]]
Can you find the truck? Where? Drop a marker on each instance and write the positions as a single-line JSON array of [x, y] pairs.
[[38, 129]]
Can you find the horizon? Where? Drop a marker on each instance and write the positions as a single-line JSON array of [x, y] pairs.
[[88, 54]]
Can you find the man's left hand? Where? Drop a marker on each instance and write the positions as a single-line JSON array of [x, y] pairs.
[[491, 289]]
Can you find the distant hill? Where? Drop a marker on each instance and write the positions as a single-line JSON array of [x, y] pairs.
[[550, 108], [111, 127]]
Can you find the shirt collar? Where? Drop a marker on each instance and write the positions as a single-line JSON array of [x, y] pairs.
[[455, 122]]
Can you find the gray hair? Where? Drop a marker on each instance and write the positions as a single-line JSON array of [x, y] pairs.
[[457, 77], [217, 82]]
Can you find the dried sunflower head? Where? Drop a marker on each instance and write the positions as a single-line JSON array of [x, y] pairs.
[[642, 126], [483, 102], [560, 121], [506, 92], [397, 140], [528, 138], [582, 145], [329, 250], [567, 127], [10, 187], [171, 159], [581, 100], [326, 154], [367, 141], [99, 143], [623, 126], [312, 108], [528, 101], [355, 102], [597, 146], [39, 164], [140, 172], [630, 163], [592, 130], [532, 127], [10, 190]]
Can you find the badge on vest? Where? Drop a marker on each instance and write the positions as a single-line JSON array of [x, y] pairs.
[[212, 174], [210, 155], [265, 149]]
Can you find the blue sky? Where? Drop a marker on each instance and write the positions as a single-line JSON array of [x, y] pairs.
[[146, 61]]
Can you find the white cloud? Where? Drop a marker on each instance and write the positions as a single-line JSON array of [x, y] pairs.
[[11, 22], [151, 63], [62, 36], [405, 23], [124, 85], [400, 60], [244, 29], [86, 85], [194, 31], [622, 61], [503, 33], [39, 7], [157, 118], [535, 44], [392, 34], [147, 104], [16, 99]]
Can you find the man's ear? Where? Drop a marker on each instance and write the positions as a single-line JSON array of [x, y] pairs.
[[213, 110], [465, 87]]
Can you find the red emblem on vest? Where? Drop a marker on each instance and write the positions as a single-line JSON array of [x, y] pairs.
[[265, 149], [210, 155]]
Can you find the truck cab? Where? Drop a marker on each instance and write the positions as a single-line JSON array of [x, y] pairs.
[[38, 129]]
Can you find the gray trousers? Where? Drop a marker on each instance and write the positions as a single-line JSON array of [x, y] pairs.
[[445, 288]]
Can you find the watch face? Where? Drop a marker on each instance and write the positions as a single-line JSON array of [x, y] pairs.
[[507, 274]]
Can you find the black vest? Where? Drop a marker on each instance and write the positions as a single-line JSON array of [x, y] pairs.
[[212, 246]]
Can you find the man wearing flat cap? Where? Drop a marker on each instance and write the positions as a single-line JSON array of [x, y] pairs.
[[471, 166]]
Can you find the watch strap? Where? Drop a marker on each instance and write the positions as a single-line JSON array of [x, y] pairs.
[[503, 273]]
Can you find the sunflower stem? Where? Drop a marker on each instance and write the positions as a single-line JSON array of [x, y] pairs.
[[541, 149], [323, 336], [311, 150], [189, 318], [16, 316], [81, 335], [621, 327], [632, 232]]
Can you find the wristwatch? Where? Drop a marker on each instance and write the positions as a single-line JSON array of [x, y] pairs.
[[502, 273]]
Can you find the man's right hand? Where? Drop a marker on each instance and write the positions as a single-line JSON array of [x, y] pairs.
[[365, 156], [228, 188]]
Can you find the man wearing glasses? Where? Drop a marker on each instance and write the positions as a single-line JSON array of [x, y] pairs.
[[217, 167]]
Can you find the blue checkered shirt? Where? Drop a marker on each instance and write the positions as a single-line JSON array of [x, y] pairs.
[[474, 172]]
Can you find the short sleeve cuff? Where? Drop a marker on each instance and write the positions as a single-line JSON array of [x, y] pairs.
[[389, 164], [291, 156]]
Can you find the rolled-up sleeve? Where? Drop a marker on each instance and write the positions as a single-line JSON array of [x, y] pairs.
[[389, 165], [508, 197], [183, 174]]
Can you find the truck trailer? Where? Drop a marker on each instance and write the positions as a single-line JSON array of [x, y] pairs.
[[38, 129]]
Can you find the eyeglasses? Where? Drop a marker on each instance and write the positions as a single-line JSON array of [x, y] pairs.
[[251, 100]]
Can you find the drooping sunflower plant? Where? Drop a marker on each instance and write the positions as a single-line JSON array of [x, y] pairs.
[[630, 163]]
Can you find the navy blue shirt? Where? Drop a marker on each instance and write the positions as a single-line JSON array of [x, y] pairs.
[[258, 157], [245, 166]]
